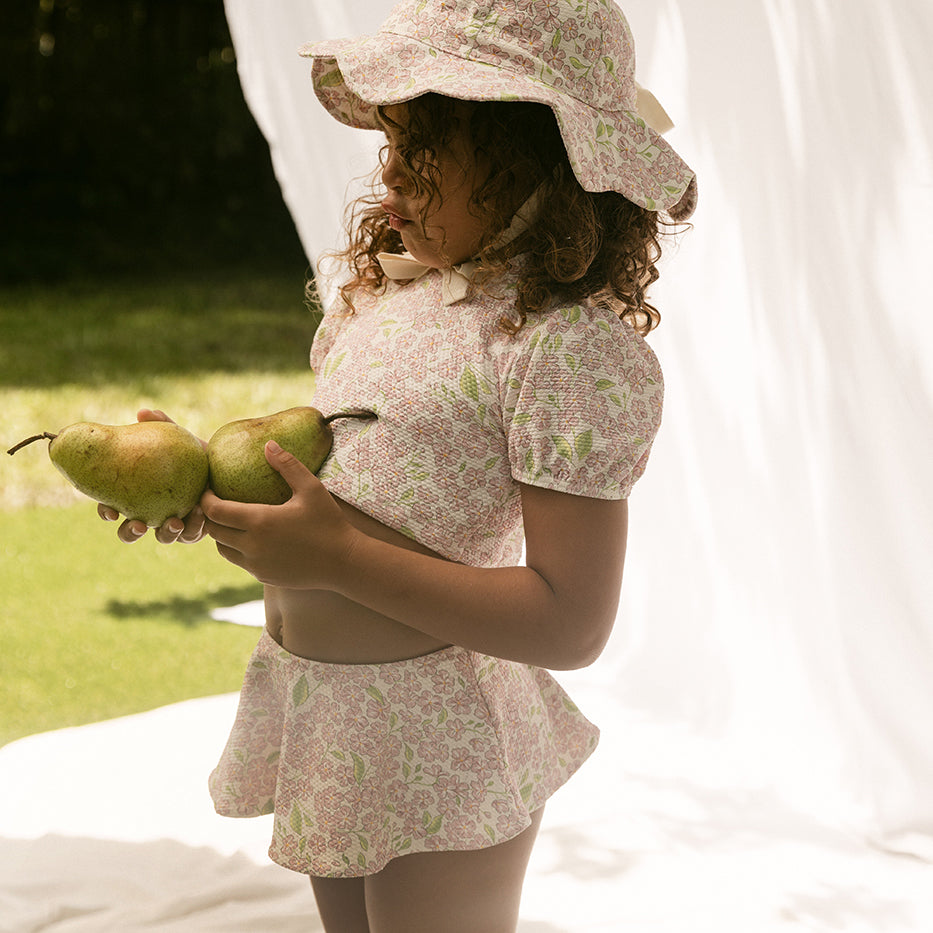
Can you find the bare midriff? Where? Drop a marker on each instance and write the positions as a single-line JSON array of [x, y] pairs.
[[326, 626]]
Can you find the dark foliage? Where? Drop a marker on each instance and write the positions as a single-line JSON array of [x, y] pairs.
[[126, 144]]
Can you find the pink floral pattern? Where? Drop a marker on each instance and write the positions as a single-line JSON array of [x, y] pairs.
[[466, 412], [362, 763], [576, 57]]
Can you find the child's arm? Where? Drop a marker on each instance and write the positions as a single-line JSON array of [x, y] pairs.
[[555, 612]]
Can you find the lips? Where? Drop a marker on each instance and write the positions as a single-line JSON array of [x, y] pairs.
[[396, 220]]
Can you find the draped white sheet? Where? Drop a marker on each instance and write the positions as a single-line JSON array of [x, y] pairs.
[[778, 592]]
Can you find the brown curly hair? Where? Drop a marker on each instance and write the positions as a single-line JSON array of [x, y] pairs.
[[582, 247]]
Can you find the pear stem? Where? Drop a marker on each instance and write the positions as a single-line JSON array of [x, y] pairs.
[[30, 440], [363, 413]]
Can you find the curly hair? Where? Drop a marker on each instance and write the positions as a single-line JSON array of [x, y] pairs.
[[582, 247]]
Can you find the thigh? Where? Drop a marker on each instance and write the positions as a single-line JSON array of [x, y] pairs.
[[452, 892], [341, 902]]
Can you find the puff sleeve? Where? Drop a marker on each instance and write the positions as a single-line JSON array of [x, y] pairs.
[[581, 396]]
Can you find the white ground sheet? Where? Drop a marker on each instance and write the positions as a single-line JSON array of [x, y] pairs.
[[108, 828]]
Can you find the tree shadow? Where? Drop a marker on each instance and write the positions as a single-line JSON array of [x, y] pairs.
[[184, 610], [723, 819], [580, 858], [843, 907]]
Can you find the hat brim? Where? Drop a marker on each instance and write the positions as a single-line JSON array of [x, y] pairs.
[[608, 151]]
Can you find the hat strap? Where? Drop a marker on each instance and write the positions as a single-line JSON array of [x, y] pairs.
[[651, 111], [455, 280]]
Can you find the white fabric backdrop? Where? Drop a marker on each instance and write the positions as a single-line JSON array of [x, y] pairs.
[[777, 588]]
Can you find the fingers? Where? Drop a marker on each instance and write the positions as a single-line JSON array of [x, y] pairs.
[[193, 529], [152, 414], [185, 531], [131, 530], [170, 531], [289, 467], [106, 513], [225, 513]]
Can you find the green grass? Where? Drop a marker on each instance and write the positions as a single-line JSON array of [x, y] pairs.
[[91, 628]]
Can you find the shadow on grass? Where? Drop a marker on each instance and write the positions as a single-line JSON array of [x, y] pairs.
[[183, 610], [119, 331]]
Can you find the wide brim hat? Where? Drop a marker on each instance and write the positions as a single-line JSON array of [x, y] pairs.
[[579, 59]]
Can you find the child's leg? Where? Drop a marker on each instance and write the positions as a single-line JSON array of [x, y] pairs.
[[341, 902], [452, 892]]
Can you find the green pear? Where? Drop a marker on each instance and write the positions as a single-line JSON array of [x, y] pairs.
[[151, 470], [236, 452]]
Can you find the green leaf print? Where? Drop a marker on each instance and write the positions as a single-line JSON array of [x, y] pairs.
[[583, 443], [523, 417], [603, 384], [490, 832], [526, 792], [300, 691], [359, 769], [332, 365], [432, 827], [331, 78], [376, 694], [563, 446], [468, 384], [294, 819]]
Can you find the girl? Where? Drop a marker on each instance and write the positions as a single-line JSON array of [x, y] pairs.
[[397, 717]]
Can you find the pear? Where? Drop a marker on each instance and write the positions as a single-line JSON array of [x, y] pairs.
[[236, 456], [150, 470]]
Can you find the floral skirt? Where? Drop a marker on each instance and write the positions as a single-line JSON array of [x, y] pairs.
[[361, 763]]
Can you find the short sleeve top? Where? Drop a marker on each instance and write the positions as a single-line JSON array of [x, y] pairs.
[[466, 412]]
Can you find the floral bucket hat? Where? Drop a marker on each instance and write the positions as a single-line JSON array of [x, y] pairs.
[[578, 58]]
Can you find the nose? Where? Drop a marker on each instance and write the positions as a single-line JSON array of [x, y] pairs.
[[393, 175]]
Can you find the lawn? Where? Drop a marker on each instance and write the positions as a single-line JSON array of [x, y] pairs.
[[91, 628]]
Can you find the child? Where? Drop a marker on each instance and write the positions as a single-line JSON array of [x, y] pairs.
[[397, 716]]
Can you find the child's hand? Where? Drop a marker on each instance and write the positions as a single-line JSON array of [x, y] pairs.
[[186, 530], [301, 544]]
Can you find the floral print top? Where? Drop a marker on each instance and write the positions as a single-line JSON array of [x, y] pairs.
[[466, 412]]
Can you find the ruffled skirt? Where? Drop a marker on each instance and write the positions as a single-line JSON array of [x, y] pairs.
[[361, 763]]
